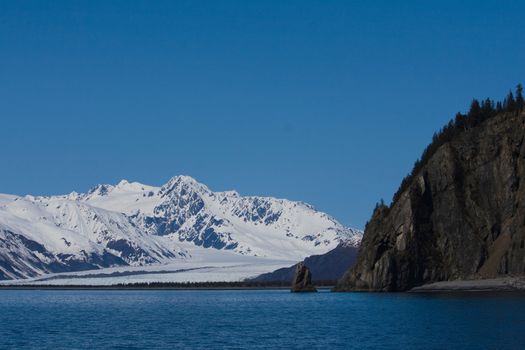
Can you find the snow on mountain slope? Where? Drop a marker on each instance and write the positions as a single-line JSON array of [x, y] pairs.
[[125, 197], [186, 210], [52, 234], [131, 224]]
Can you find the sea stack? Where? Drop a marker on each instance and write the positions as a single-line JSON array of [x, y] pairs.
[[302, 281]]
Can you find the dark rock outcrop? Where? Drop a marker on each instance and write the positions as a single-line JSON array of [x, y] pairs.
[[462, 216], [302, 281], [325, 267]]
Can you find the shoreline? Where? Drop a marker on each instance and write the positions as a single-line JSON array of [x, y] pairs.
[[500, 284], [115, 288], [166, 286]]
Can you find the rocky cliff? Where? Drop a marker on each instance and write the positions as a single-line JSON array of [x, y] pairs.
[[462, 215]]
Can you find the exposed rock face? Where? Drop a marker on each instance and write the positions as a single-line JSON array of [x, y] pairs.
[[462, 217], [302, 281]]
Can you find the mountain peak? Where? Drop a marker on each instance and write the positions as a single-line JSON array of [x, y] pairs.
[[132, 186], [123, 183], [183, 183], [101, 189], [182, 179]]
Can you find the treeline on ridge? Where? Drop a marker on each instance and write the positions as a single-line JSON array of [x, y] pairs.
[[478, 113]]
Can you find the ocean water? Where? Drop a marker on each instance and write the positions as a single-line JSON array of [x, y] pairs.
[[255, 319]]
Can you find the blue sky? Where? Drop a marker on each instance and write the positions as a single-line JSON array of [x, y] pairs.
[[328, 102]]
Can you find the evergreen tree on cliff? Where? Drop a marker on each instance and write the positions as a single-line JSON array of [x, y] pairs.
[[519, 98], [460, 213]]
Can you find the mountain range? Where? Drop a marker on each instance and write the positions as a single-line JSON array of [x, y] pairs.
[[131, 224]]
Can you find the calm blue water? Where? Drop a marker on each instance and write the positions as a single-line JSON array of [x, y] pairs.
[[258, 320]]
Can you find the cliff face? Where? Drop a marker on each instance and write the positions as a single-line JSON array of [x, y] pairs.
[[461, 217]]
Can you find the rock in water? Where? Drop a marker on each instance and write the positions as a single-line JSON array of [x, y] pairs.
[[460, 216], [325, 267], [302, 281]]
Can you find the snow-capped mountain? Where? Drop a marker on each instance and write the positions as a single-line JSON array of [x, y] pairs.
[[186, 210], [50, 234], [135, 224]]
